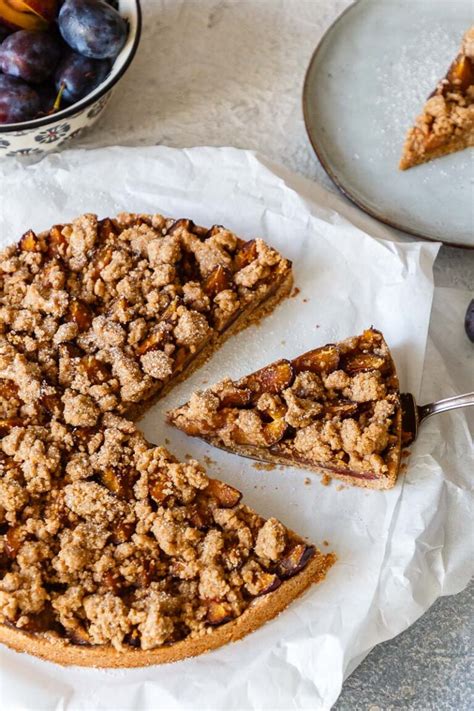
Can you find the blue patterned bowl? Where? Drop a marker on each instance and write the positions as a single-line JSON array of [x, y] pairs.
[[52, 132]]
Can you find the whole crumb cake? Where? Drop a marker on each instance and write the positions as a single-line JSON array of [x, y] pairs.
[[115, 311], [112, 552], [446, 124], [334, 410]]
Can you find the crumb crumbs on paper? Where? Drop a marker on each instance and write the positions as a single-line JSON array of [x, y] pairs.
[[325, 543], [405, 453], [326, 480], [307, 481], [305, 301], [167, 441], [340, 487], [261, 467], [295, 292], [318, 326], [208, 461]]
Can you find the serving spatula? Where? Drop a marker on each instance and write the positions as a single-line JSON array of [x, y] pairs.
[[413, 415]]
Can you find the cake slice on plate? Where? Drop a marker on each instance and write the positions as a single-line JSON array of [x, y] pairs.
[[334, 410], [446, 124]]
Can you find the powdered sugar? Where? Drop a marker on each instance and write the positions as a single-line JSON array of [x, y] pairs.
[[405, 84]]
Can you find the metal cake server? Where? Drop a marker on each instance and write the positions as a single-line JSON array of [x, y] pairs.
[[413, 415]]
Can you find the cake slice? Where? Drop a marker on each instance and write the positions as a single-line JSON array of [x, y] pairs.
[[446, 124], [334, 410], [116, 311], [114, 554]]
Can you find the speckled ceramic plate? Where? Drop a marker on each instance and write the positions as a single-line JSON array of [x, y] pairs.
[[366, 82]]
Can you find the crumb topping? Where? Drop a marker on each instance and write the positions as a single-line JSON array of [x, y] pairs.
[[114, 308], [334, 407], [448, 114], [104, 538]]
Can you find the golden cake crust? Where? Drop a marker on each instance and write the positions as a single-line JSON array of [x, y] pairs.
[[263, 610]]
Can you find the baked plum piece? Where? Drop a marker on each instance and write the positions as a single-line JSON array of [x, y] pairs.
[[333, 410]]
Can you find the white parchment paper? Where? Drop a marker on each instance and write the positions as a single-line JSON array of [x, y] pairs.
[[397, 550]]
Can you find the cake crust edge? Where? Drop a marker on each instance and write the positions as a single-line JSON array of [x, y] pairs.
[[260, 611]]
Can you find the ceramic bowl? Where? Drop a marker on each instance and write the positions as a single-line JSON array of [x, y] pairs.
[[49, 133]]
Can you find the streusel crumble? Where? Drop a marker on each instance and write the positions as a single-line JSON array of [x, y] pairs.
[[108, 540], [447, 122], [335, 409], [113, 311], [112, 552]]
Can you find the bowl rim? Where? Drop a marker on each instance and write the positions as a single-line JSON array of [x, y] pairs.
[[87, 100]]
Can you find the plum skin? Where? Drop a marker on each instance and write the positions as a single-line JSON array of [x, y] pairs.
[[33, 63], [78, 76], [47, 94], [469, 321], [18, 101], [4, 32], [31, 56], [92, 28]]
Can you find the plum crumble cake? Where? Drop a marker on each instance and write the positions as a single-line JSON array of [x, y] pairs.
[[447, 122], [115, 311], [112, 552], [334, 410]]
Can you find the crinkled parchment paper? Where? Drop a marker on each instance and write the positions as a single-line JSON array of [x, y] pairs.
[[397, 550]]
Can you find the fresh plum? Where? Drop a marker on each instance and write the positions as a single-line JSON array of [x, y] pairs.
[[47, 94], [80, 75], [469, 321], [4, 32], [92, 28], [31, 56], [18, 101]]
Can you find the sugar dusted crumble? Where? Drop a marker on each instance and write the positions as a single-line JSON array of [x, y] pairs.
[[447, 121], [113, 309], [104, 538], [333, 408]]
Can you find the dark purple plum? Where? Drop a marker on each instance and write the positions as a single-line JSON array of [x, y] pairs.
[[32, 56], [92, 28], [4, 32], [18, 101], [47, 94], [469, 321], [80, 75]]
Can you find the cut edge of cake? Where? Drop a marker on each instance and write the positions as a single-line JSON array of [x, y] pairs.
[[262, 610], [325, 416], [35, 410]]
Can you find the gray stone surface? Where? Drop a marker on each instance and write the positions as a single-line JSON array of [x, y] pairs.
[[230, 72], [427, 668]]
